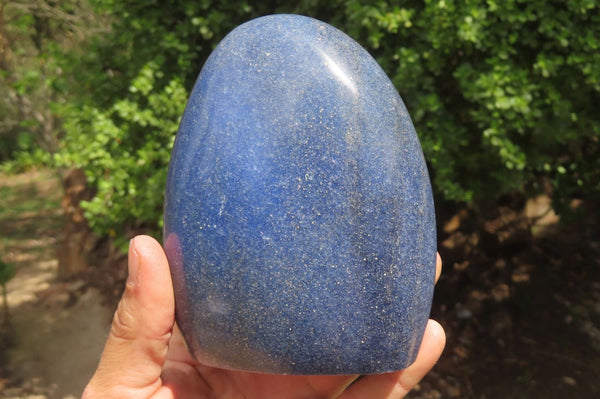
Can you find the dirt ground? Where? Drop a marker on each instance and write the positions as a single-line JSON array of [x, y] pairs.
[[519, 299], [57, 328]]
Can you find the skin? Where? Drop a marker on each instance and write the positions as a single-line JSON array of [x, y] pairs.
[[146, 356]]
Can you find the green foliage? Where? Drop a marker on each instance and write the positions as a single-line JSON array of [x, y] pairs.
[[503, 94], [133, 86], [125, 158], [7, 272], [34, 34], [28, 159]]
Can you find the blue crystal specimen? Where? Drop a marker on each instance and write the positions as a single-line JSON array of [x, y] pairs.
[[299, 220]]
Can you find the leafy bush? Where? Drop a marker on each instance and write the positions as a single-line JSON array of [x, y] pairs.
[[503, 94], [27, 159], [33, 37], [7, 272]]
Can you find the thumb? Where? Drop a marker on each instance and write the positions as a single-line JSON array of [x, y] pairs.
[[137, 344]]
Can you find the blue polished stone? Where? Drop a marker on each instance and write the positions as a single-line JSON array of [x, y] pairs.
[[299, 220]]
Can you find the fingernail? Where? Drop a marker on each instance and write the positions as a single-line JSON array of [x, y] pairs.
[[133, 263]]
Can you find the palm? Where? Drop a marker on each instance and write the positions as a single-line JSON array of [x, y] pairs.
[[185, 377], [146, 356]]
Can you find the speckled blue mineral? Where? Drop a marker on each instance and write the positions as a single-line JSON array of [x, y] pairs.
[[299, 221]]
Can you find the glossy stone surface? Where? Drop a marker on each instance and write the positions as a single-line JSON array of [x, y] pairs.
[[299, 220]]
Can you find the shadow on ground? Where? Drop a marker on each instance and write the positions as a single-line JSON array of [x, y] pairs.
[[519, 298], [57, 328]]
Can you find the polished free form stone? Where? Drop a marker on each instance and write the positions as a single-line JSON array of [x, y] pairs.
[[299, 221]]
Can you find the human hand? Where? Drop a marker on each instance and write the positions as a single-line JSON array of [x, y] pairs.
[[146, 356]]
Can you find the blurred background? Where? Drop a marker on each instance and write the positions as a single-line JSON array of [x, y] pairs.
[[505, 97]]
